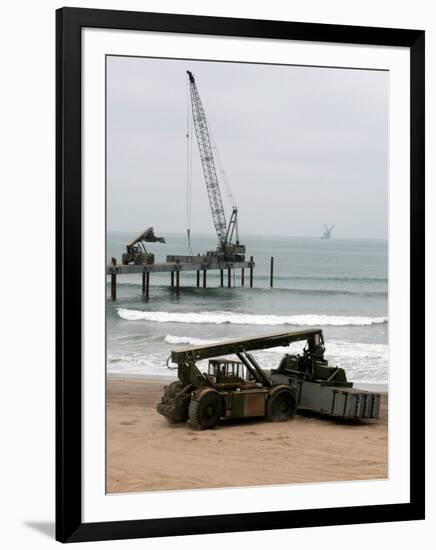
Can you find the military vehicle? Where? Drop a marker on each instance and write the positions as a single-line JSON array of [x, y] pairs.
[[136, 251], [238, 388]]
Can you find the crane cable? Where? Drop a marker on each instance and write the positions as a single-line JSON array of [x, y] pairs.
[[223, 173], [188, 167]]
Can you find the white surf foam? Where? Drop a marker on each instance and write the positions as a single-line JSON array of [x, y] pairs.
[[363, 362], [178, 340], [229, 317]]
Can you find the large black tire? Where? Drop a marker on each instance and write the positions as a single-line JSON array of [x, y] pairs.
[[139, 259], [126, 258], [205, 411], [281, 406]]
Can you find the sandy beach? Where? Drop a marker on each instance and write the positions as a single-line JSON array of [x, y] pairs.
[[146, 453]]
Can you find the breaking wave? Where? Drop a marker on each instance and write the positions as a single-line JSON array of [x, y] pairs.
[[363, 362], [229, 317], [178, 340]]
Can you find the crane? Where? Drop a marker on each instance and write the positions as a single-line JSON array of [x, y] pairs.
[[227, 248]]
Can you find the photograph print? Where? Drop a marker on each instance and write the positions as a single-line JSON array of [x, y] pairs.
[[247, 274]]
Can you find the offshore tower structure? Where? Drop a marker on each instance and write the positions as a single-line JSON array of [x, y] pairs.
[[327, 232]]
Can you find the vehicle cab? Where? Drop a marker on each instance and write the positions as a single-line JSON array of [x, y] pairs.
[[227, 371]]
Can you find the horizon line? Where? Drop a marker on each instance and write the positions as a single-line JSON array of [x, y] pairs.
[[256, 235]]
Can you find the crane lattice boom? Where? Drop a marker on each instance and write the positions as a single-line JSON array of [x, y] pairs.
[[208, 163]]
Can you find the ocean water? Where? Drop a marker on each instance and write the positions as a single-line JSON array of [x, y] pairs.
[[340, 285]]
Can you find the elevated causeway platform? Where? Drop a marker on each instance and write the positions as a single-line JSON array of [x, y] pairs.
[[176, 264]]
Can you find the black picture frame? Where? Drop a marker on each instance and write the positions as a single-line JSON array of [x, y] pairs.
[[69, 525]]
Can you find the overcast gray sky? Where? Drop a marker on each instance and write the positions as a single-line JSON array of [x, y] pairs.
[[301, 146]]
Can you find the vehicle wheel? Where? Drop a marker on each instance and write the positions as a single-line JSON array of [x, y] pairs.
[[205, 411], [281, 406], [139, 259], [125, 258]]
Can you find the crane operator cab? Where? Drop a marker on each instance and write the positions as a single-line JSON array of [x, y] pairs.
[[228, 371]]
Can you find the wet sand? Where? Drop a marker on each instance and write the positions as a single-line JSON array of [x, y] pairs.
[[146, 453]]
